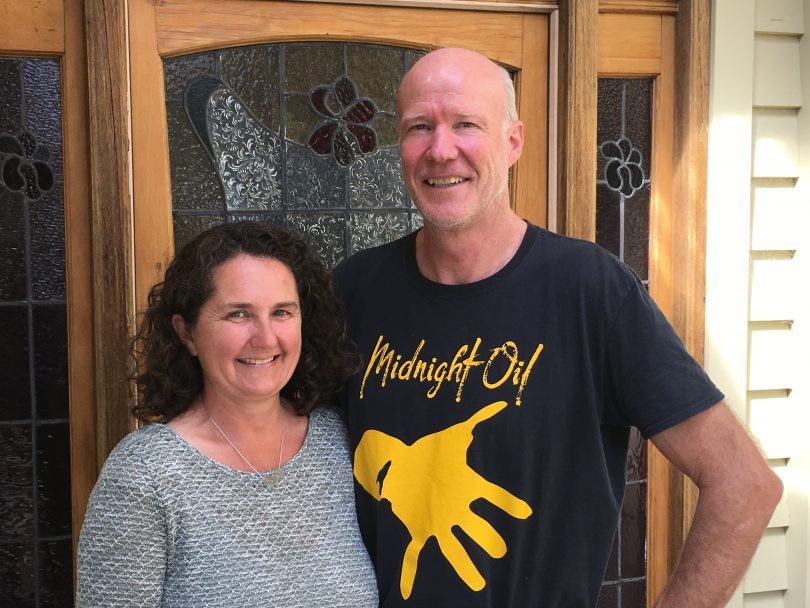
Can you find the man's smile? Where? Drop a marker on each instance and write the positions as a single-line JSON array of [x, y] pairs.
[[445, 182]]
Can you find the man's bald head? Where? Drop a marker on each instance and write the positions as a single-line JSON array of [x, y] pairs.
[[462, 63]]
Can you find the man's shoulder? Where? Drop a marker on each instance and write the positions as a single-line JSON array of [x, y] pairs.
[[579, 258], [368, 262]]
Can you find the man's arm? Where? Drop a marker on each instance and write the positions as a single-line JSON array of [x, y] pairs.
[[738, 493]]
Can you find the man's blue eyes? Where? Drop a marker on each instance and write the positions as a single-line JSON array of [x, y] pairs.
[[425, 127]]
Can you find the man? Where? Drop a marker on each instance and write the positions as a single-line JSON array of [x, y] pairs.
[[503, 367]]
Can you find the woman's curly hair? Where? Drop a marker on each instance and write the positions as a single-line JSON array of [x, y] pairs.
[[170, 378]]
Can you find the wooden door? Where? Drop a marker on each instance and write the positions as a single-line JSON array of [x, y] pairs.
[[635, 57], [163, 33], [47, 414]]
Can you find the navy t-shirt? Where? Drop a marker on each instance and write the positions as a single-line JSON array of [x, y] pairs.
[[490, 421]]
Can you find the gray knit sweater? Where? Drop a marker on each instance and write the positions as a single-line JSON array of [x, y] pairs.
[[167, 526]]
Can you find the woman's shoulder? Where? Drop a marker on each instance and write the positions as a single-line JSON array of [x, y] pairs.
[[150, 443], [327, 415], [326, 427], [328, 418]]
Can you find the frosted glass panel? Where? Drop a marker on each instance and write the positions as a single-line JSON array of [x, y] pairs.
[[300, 131]]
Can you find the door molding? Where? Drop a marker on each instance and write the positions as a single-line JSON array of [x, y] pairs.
[[56, 28], [111, 199], [679, 273]]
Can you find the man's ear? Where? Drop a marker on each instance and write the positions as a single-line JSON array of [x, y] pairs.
[[514, 138], [183, 332]]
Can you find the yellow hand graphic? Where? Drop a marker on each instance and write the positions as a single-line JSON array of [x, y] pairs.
[[430, 488]]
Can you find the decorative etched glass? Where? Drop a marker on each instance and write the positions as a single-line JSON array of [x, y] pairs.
[[304, 137], [35, 508], [624, 131], [24, 165], [623, 171]]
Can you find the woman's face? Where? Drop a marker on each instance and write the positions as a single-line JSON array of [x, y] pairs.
[[248, 334]]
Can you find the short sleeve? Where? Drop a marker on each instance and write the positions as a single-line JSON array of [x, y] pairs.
[[122, 553], [652, 382]]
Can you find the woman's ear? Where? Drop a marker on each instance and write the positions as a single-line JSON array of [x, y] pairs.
[[183, 332]]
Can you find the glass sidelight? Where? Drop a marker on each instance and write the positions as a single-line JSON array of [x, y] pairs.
[[623, 186], [35, 502]]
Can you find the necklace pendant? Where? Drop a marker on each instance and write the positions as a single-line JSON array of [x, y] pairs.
[[272, 480]]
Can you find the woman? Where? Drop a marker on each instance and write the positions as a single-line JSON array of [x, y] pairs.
[[238, 492]]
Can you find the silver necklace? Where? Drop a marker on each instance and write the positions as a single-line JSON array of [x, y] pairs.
[[270, 480]]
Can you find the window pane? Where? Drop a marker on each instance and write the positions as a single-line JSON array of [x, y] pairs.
[[304, 132], [35, 501], [624, 139]]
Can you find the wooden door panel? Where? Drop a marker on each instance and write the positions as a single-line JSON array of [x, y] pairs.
[[50, 32], [191, 25], [172, 28], [643, 46], [32, 27]]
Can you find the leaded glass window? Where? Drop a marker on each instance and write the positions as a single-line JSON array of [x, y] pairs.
[[301, 135], [35, 505], [624, 139]]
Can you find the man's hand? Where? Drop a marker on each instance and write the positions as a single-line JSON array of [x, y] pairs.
[[738, 493]]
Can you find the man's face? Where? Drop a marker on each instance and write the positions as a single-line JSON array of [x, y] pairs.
[[456, 148]]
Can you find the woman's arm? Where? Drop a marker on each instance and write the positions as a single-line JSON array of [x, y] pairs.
[[122, 553]]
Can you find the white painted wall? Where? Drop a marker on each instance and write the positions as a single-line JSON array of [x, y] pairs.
[[758, 273]]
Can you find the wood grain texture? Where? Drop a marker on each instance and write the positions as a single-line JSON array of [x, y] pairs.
[[32, 28], [108, 71], [192, 25], [692, 60], [576, 125], [657, 7], [665, 497], [520, 6], [629, 45], [154, 237], [79, 263], [531, 186]]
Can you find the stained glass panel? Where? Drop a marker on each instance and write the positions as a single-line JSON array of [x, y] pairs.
[[290, 128], [46, 219], [324, 233], [372, 229], [633, 532], [608, 596], [375, 181], [624, 138], [55, 573], [10, 96], [252, 74], [376, 71], [17, 581], [16, 484], [35, 505], [608, 219], [186, 227], [313, 182], [50, 359], [189, 158], [53, 479], [12, 246], [307, 66]]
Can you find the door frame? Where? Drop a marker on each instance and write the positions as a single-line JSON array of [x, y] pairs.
[[678, 231], [188, 26], [56, 28], [572, 137]]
